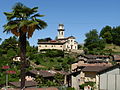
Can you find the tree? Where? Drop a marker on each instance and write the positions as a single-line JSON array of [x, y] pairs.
[[0, 39], [44, 39], [93, 41], [9, 43], [116, 35], [106, 34], [22, 22]]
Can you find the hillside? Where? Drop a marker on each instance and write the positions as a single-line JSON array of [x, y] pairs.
[[112, 48]]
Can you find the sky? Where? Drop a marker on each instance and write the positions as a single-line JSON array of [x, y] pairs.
[[78, 16]]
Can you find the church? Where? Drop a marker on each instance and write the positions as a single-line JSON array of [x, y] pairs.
[[61, 43]]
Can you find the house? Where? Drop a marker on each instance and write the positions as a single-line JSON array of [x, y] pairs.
[[94, 57], [116, 58], [46, 74], [61, 43], [16, 58], [85, 73], [27, 84], [31, 75], [109, 78], [88, 62]]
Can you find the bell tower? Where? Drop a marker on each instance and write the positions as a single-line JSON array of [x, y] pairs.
[[61, 31]]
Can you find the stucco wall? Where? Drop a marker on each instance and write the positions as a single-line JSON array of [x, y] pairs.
[[110, 80]]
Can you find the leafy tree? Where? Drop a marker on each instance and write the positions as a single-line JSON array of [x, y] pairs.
[[9, 43], [116, 35], [44, 39], [93, 41], [22, 22], [106, 34], [0, 39], [11, 53]]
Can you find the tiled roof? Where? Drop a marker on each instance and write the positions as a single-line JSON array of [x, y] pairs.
[[51, 42], [116, 57], [49, 88], [109, 68], [95, 56], [27, 84], [94, 68], [42, 73]]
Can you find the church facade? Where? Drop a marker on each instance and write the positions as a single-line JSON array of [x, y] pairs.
[[61, 43]]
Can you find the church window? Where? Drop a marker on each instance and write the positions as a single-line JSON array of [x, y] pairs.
[[62, 33]]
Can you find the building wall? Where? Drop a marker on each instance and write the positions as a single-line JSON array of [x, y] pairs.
[[110, 80], [76, 81], [50, 46], [90, 76]]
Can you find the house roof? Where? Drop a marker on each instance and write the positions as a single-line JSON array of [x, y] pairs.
[[94, 68], [95, 61], [109, 69], [94, 56], [116, 57], [71, 37], [52, 42], [27, 83], [48, 88], [43, 73]]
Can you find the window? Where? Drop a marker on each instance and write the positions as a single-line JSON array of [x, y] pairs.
[[45, 45], [62, 33]]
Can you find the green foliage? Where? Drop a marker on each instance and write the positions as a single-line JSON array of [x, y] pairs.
[[56, 81], [70, 88], [106, 34], [45, 39], [116, 35], [93, 42], [111, 35], [10, 43], [80, 46], [59, 79], [92, 84], [53, 59], [11, 53]]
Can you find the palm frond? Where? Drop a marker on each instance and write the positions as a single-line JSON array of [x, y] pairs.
[[37, 15], [9, 15], [42, 24]]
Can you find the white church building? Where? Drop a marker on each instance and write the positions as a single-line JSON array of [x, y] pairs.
[[61, 43]]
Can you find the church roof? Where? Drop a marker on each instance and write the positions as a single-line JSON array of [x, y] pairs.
[[71, 37], [52, 42]]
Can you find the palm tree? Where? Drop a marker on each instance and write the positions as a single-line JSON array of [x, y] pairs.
[[22, 22]]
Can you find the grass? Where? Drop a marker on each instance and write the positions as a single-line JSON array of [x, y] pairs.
[[113, 47]]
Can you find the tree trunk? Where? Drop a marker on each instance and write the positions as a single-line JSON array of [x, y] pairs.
[[22, 40]]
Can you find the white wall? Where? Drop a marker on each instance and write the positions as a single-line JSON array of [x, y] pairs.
[[110, 80]]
